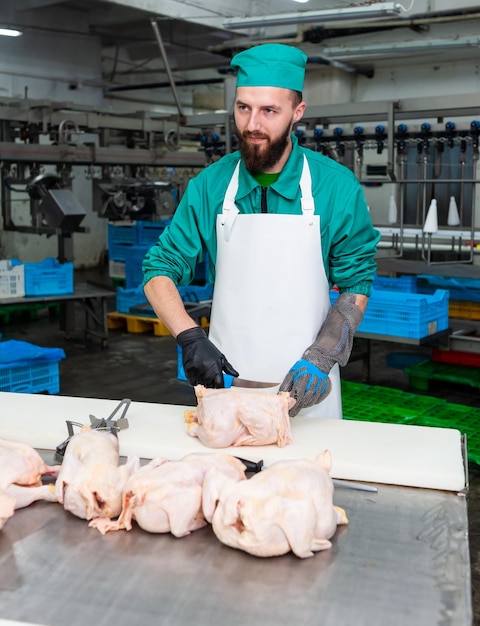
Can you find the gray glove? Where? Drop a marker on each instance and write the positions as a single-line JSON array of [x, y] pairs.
[[307, 380]]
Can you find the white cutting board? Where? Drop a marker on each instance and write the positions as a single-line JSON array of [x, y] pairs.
[[413, 456]]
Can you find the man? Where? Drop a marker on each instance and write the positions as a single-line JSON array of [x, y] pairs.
[[281, 224]]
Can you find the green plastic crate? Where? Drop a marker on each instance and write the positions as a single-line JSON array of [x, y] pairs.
[[421, 374], [385, 404], [466, 419], [367, 403]]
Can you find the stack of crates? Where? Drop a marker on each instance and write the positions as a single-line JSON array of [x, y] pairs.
[[395, 309], [127, 299], [128, 244], [45, 278], [417, 307], [464, 294], [27, 368]]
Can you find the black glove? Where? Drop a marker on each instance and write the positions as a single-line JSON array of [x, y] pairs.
[[203, 363]]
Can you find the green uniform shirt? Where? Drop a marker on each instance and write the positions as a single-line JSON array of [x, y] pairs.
[[348, 238]]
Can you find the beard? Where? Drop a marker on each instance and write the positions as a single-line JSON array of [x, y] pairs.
[[265, 157]]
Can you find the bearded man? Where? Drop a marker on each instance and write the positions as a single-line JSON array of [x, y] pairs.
[[281, 225]]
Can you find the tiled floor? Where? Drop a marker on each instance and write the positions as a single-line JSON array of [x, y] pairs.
[[143, 367]]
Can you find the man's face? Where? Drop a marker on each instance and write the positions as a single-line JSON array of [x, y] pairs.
[[263, 118]]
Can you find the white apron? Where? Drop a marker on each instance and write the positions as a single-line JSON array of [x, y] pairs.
[[271, 293]]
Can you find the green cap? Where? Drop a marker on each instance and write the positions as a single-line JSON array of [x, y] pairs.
[[270, 65]]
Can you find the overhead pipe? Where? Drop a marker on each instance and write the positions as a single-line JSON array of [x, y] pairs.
[[322, 60], [413, 21], [158, 37], [299, 36], [178, 83], [248, 42]]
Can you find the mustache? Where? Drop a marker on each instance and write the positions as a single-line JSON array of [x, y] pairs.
[[247, 134]]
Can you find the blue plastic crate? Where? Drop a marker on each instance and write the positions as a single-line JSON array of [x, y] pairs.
[[128, 298], [195, 293], [121, 237], [36, 378], [27, 368], [466, 289], [402, 283], [133, 265], [180, 370], [404, 314], [48, 277], [118, 251], [149, 232], [15, 353], [122, 233]]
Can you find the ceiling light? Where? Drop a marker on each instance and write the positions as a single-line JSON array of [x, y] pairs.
[[368, 12], [347, 52], [301, 1], [10, 32]]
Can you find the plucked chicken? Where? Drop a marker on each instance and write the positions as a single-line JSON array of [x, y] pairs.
[[21, 471], [91, 481], [288, 506], [166, 496], [234, 417]]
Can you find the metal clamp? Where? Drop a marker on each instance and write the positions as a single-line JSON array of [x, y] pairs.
[[108, 424]]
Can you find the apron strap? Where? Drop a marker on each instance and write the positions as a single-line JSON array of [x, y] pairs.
[[229, 208], [308, 204]]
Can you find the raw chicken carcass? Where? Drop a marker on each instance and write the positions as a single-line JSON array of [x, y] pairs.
[[235, 417], [21, 471], [288, 506], [166, 496], [91, 480]]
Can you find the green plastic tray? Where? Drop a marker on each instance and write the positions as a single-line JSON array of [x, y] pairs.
[[367, 403]]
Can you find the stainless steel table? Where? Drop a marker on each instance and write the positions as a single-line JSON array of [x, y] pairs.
[[403, 559], [93, 301]]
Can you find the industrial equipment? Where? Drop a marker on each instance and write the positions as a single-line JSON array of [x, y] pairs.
[[135, 199], [52, 206], [405, 153]]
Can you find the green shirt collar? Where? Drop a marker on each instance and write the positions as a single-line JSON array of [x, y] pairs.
[[265, 180]]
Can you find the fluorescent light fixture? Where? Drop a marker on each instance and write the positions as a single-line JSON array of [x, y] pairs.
[[9, 32], [347, 52], [367, 12], [301, 1]]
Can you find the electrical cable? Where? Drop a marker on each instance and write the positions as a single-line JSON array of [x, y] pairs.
[[409, 8]]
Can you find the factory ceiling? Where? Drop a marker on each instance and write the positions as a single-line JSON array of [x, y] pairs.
[[198, 40]]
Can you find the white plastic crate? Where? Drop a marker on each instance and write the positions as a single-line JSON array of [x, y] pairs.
[[12, 280], [116, 269]]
